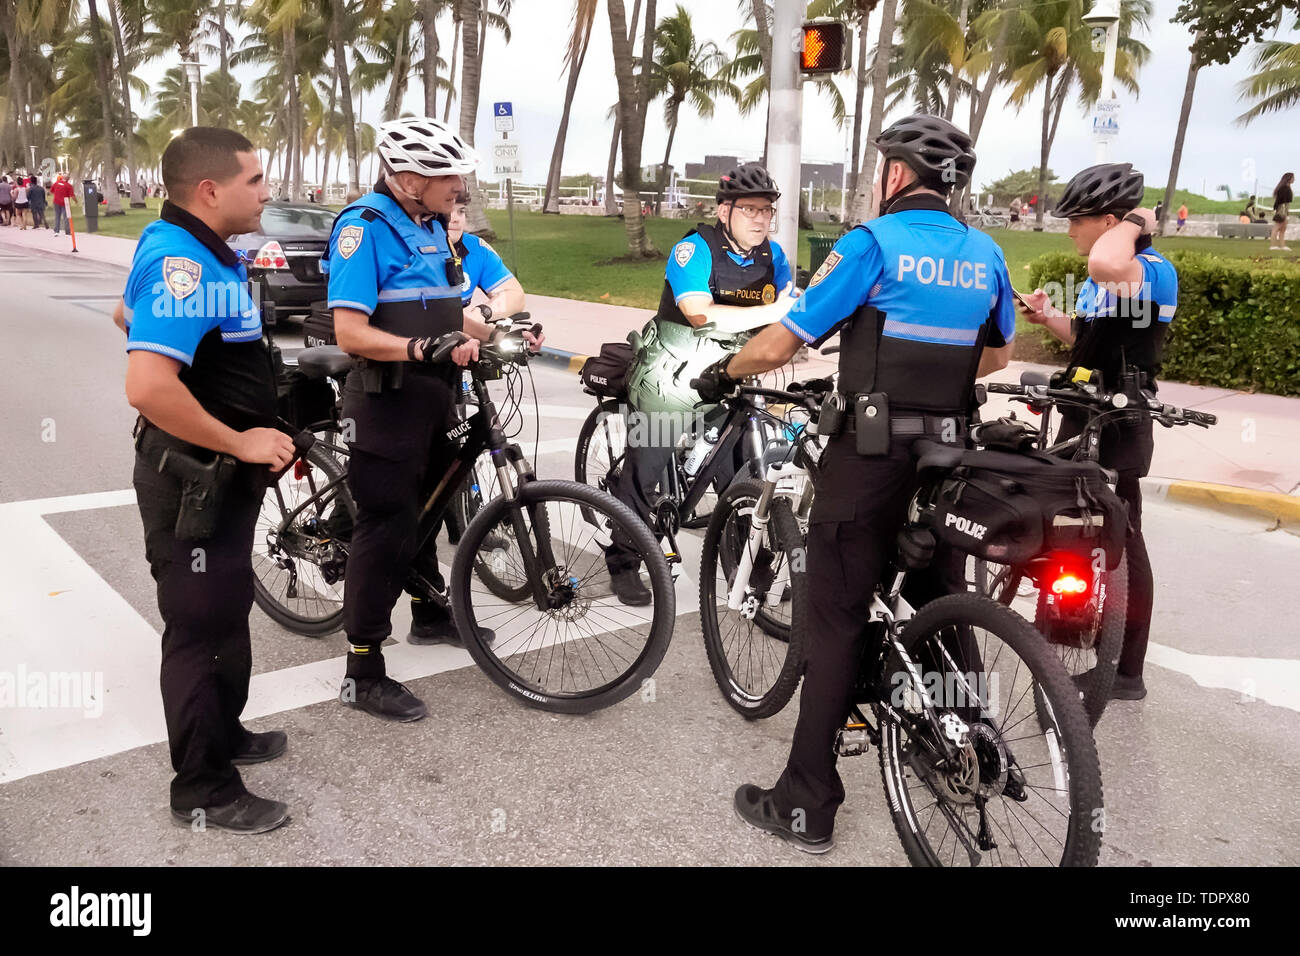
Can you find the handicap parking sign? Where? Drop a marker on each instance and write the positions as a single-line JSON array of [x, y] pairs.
[[503, 117]]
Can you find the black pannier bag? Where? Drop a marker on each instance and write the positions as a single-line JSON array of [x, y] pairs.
[[1008, 508], [301, 401], [318, 327], [606, 373]]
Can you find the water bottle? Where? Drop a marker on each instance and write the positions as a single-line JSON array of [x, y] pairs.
[[701, 449]]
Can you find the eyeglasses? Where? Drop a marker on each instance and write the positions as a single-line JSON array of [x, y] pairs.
[[756, 212]]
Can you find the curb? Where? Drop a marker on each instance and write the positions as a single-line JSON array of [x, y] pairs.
[[572, 361], [1229, 499]]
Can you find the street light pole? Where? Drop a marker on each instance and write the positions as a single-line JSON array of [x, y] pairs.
[[1104, 20], [192, 68], [785, 119]]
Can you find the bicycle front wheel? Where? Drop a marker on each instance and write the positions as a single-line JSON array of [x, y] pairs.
[[569, 645], [1020, 784], [602, 445], [756, 651]]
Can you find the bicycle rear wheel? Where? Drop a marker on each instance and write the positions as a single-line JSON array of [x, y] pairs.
[[300, 545], [602, 443], [1024, 786], [493, 562], [569, 646], [756, 652]]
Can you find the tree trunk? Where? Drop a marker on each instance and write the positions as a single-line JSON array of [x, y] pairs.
[[429, 16], [221, 37], [855, 166], [328, 136], [952, 85], [295, 115], [476, 216], [345, 88], [862, 211], [630, 94], [1183, 115], [455, 54], [551, 202], [611, 204], [17, 105], [482, 36], [106, 100], [397, 82], [1045, 148], [124, 77], [759, 10], [663, 169], [978, 111]]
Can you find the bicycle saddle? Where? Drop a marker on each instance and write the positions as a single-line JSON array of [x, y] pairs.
[[932, 454], [321, 361]]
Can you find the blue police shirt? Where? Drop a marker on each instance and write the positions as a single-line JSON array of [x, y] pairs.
[[690, 266], [483, 268], [179, 291], [379, 255], [1159, 285], [940, 289]]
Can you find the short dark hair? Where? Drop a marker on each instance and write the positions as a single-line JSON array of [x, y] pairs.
[[199, 153]]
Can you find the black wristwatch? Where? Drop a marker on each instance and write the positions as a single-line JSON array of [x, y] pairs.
[[1138, 221]]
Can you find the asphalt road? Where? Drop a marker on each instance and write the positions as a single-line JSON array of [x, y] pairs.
[[1201, 772]]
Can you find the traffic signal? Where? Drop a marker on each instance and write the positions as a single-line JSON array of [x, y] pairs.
[[825, 49]]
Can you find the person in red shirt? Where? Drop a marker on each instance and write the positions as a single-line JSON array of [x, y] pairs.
[[62, 193]]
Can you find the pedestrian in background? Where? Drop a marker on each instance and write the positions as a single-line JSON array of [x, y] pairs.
[[20, 202], [1282, 198], [1182, 217], [62, 193], [6, 201], [36, 199]]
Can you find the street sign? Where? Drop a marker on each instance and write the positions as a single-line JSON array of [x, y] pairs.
[[507, 160], [503, 116], [1105, 119]]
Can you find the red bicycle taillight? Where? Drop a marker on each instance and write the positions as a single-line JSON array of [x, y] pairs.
[[301, 469], [1068, 583], [271, 256]]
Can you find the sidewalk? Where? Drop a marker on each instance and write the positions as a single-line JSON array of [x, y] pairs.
[[1255, 447]]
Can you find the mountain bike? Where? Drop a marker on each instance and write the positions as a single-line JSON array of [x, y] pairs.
[[1080, 606], [562, 641]]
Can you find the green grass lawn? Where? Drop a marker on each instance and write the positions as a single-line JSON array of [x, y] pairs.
[[129, 225]]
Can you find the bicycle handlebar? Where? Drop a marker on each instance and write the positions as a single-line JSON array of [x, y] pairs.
[[1166, 414]]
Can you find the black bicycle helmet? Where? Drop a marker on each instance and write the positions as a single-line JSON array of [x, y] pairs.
[[1109, 187], [748, 179], [939, 153]]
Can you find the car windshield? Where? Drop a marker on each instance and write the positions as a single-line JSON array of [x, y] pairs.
[[295, 222]]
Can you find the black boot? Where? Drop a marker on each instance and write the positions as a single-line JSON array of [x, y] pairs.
[[431, 624], [628, 588], [383, 697]]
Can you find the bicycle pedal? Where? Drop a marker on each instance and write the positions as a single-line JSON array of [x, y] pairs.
[[852, 740], [674, 563]]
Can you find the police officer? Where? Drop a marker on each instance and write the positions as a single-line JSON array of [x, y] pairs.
[[727, 275], [1122, 315], [923, 304], [395, 288], [199, 373], [483, 270]]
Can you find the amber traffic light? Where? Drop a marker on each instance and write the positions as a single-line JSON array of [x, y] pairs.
[[825, 47]]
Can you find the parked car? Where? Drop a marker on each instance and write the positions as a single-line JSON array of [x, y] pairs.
[[283, 258]]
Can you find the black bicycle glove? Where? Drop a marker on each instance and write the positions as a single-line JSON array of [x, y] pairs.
[[714, 383], [426, 349]]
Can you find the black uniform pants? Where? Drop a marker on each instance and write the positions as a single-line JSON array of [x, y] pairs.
[[389, 493], [1141, 582], [205, 591], [861, 505]]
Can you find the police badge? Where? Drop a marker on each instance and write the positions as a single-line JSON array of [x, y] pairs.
[[683, 252], [350, 240], [181, 275]]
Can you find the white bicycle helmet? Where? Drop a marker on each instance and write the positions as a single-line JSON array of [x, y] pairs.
[[418, 144]]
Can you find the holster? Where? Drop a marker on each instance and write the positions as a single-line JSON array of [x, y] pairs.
[[203, 484], [379, 377]]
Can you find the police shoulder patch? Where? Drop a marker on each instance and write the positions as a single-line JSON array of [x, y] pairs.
[[181, 275], [685, 249], [830, 262], [350, 240], [484, 244]]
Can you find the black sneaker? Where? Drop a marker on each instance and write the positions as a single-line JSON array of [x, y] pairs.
[[428, 628], [628, 588], [244, 814], [1128, 688], [258, 748], [383, 697], [754, 806]]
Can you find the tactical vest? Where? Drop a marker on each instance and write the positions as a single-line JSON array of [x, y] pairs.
[[729, 282]]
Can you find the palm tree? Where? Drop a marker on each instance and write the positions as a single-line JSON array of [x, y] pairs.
[[611, 203], [1189, 90], [102, 59], [862, 210], [476, 221], [1053, 49], [633, 100], [584, 15], [1275, 85], [29, 25], [176, 23], [684, 69], [859, 10], [340, 18], [128, 23]]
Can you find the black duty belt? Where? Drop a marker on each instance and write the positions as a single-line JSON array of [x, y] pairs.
[[918, 425]]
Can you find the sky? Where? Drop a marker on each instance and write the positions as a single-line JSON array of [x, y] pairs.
[[528, 73]]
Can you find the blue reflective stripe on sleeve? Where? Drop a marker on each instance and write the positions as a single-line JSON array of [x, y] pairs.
[[161, 350], [807, 337], [348, 304], [241, 335], [499, 284]]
